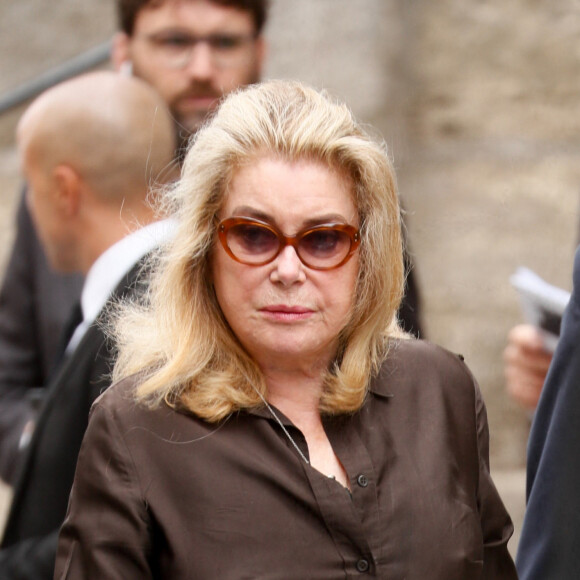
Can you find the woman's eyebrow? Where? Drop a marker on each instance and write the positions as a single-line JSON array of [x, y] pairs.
[[248, 211], [328, 218]]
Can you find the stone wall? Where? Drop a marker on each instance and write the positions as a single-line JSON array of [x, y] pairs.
[[492, 176]]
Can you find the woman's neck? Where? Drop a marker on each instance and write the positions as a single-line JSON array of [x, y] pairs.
[[297, 395]]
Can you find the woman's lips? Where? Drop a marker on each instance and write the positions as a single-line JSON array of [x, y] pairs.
[[282, 313]]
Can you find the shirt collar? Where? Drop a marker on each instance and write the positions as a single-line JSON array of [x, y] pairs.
[[378, 386], [110, 267]]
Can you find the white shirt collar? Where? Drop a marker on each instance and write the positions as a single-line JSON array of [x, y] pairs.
[[110, 267]]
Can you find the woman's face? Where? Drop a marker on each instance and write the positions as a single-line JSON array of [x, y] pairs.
[[286, 314]]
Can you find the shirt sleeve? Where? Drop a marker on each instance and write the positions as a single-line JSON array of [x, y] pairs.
[[496, 525], [106, 533]]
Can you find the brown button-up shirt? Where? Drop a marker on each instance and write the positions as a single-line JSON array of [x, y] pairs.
[[163, 494]]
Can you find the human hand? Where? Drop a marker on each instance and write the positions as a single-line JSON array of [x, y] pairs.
[[526, 363]]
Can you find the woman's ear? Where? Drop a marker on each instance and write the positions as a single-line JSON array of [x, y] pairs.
[[120, 54]]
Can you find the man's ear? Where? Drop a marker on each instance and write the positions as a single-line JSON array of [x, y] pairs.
[[120, 53], [67, 190]]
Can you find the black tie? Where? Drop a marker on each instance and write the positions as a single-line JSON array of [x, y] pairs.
[[74, 319]]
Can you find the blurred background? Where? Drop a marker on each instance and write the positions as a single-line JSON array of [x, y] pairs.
[[479, 102]]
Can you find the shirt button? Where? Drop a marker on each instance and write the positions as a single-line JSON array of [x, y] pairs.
[[362, 480], [362, 565]]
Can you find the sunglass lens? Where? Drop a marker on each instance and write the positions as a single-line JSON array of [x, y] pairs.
[[252, 243], [324, 247]]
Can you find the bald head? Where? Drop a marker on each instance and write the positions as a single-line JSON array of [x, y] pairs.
[[92, 149], [114, 131]]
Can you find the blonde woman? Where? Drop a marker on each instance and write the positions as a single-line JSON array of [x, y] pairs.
[[270, 419]]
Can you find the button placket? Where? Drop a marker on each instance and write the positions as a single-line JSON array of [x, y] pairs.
[[363, 505], [362, 565]]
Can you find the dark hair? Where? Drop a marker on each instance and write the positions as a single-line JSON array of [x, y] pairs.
[[127, 11]]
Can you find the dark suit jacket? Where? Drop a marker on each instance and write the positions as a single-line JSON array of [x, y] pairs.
[[35, 303], [549, 547], [41, 493]]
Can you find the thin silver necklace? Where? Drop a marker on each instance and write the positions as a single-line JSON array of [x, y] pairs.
[[277, 419]]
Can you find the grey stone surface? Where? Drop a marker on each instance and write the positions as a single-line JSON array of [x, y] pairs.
[[492, 177]]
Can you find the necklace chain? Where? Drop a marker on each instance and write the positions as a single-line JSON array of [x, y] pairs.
[[277, 419]]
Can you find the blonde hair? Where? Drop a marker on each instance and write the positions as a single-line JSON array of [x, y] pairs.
[[178, 337]]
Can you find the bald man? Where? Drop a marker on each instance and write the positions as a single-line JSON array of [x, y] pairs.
[[91, 149]]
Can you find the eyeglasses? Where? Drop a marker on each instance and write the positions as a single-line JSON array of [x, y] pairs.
[[256, 243], [175, 49]]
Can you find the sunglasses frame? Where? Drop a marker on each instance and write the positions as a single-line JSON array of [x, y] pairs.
[[225, 225]]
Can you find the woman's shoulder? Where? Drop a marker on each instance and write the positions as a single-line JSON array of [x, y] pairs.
[[422, 352], [419, 365], [120, 403], [120, 395], [425, 384]]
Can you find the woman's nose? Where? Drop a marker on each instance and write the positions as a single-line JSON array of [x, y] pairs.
[[288, 268]]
